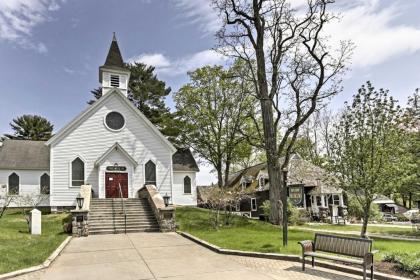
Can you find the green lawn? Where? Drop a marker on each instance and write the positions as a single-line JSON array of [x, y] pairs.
[[19, 249], [251, 235], [371, 229]]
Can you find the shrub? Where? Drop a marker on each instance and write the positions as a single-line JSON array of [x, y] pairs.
[[408, 262], [266, 208], [355, 210]]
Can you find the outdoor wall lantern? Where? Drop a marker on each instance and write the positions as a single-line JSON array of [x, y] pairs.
[[80, 200], [166, 198]]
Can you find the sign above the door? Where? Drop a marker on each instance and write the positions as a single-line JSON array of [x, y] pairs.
[[116, 168]]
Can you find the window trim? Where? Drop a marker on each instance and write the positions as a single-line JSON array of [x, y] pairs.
[[183, 183], [40, 186], [144, 170], [8, 184], [111, 129], [71, 172], [256, 206]]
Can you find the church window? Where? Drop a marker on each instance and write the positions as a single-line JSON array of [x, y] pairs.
[[77, 172], [114, 121], [150, 172], [14, 184], [187, 184]]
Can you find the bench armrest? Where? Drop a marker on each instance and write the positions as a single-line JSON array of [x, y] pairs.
[[307, 246]]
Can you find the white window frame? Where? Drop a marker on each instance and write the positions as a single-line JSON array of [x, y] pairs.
[[40, 186], [9, 186], [71, 172], [144, 171], [338, 199], [252, 205], [183, 184]]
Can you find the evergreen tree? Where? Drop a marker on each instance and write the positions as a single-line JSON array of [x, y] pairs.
[[30, 127]]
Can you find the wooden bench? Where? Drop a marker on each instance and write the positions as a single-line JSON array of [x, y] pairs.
[[359, 249]]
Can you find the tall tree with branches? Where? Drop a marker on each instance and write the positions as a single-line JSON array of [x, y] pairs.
[[366, 150], [291, 66], [30, 127], [212, 108]]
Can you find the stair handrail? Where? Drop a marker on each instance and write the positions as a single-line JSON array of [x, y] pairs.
[[123, 208]]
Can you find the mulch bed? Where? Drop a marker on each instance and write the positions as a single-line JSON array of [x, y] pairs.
[[390, 268]]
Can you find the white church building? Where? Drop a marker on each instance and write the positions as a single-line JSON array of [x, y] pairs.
[[110, 143]]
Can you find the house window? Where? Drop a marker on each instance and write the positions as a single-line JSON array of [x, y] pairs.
[[14, 184], [318, 201], [243, 185], [336, 199], [238, 206], [45, 184], [187, 184], [77, 172], [253, 204], [262, 182], [150, 173], [115, 81]]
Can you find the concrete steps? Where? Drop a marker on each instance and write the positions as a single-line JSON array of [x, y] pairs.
[[107, 217]]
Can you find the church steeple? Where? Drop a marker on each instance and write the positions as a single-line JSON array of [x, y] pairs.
[[113, 74]]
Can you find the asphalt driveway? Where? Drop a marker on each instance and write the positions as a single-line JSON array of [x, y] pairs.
[[164, 256]]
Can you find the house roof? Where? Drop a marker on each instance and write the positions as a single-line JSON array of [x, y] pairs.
[[183, 160], [301, 172], [35, 155], [116, 147], [95, 106], [24, 155]]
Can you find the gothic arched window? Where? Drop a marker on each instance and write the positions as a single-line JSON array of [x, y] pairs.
[[187, 184], [77, 172], [150, 173], [13, 184]]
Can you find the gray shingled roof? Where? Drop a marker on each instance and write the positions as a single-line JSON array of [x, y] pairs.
[[24, 154], [114, 57], [183, 160], [35, 155]]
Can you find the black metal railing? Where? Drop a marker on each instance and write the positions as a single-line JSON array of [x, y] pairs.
[[123, 208]]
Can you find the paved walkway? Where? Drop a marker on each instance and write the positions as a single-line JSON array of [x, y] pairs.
[[165, 256]]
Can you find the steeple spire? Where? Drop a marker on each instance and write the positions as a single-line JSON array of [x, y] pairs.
[[114, 57], [113, 74]]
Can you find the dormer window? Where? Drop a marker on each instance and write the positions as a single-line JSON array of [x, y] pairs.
[[115, 81]]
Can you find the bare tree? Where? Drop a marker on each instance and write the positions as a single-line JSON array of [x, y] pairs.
[[5, 200], [29, 201], [291, 66]]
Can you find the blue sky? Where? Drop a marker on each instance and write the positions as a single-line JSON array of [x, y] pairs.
[[50, 50]]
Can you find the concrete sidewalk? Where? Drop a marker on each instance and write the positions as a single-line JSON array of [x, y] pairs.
[[164, 256]]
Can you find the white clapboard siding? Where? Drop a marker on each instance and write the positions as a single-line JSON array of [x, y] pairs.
[[29, 184], [179, 197], [91, 139]]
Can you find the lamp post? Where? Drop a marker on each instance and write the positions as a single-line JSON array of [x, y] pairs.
[[284, 202], [166, 198], [80, 200]]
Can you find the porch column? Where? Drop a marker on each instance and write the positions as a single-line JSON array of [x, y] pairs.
[[322, 200], [341, 200]]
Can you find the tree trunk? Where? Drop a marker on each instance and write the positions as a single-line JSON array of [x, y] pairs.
[[404, 200], [410, 198], [366, 216], [219, 175], [227, 171]]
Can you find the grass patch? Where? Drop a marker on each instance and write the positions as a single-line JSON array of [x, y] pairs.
[[408, 231], [19, 249], [252, 235]]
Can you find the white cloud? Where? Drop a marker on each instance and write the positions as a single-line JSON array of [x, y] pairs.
[[376, 31], [374, 26], [18, 18], [179, 66], [199, 12]]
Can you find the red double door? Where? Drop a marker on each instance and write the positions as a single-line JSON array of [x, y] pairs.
[[112, 182]]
